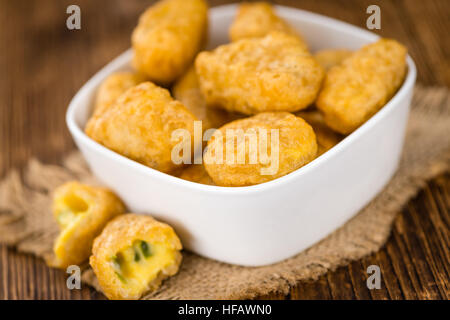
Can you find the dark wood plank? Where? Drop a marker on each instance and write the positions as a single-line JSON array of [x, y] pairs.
[[43, 64], [358, 277], [341, 286], [312, 290]]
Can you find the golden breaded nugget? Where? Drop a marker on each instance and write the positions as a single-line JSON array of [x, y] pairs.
[[133, 255], [112, 87], [326, 138], [273, 73], [187, 91], [168, 37], [258, 19], [357, 88], [81, 212], [140, 126], [196, 173], [331, 57], [259, 149]]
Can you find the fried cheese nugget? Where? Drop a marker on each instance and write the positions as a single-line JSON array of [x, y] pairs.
[[326, 138], [81, 212], [273, 73], [331, 57], [187, 91], [140, 126], [258, 19], [168, 37], [112, 87], [362, 84], [196, 173], [133, 255], [259, 149]]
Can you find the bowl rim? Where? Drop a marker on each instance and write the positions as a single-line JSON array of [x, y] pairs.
[[124, 58]]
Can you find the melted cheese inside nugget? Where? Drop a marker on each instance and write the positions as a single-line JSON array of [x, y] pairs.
[[332, 57], [258, 19], [326, 138], [168, 37], [187, 91], [259, 149], [357, 88], [141, 124], [274, 73], [81, 212], [112, 87], [133, 254]]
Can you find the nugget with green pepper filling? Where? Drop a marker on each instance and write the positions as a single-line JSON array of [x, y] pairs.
[[133, 254]]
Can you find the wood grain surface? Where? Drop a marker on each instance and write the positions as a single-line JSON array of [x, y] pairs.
[[43, 64]]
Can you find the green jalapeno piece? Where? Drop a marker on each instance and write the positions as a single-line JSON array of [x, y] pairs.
[[145, 249]]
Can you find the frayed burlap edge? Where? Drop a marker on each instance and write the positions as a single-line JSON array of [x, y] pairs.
[[26, 222]]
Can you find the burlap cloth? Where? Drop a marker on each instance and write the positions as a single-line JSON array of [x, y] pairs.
[[26, 222]]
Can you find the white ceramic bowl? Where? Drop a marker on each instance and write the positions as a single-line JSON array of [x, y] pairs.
[[266, 223]]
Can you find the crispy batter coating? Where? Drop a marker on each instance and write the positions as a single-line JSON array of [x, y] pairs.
[[331, 57], [81, 212], [251, 158], [273, 73], [140, 126], [113, 86], [133, 255], [187, 91], [326, 138], [167, 38], [357, 88], [258, 19], [196, 173]]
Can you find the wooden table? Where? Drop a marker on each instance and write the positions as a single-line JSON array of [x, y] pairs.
[[43, 64]]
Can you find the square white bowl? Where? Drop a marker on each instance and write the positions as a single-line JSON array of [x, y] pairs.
[[266, 223]]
